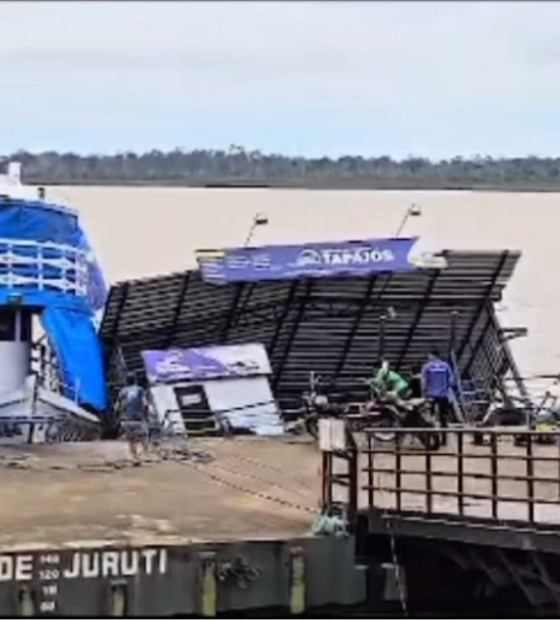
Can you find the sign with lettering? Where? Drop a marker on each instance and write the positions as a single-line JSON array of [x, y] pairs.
[[49, 571], [90, 564], [205, 363], [312, 260]]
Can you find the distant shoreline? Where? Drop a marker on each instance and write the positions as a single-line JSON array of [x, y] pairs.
[[324, 185], [238, 167]]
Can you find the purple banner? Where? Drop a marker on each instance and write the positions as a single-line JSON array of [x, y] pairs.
[[311, 260], [203, 363]]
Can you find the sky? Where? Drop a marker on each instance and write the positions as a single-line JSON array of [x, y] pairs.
[[300, 78]]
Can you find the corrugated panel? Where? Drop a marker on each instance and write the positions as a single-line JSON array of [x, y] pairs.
[[331, 326]]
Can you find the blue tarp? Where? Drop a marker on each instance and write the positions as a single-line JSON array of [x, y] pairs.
[[35, 273], [78, 351], [38, 221]]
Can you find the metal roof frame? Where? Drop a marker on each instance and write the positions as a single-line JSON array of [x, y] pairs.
[[334, 326]]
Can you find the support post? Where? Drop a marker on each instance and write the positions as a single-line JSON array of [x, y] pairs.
[[356, 323], [178, 307], [291, 337], [382, 326], [232, 314], [482, 303], [513, 366], [283, 316], [111, 345], [453, 334], [480, 339], [418, 317]]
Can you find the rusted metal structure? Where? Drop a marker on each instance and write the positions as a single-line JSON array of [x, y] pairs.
[[337, 326]]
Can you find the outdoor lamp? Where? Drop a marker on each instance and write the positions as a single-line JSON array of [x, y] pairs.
[[260, 219], [413, 210]]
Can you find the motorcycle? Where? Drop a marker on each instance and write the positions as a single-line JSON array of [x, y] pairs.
[[317, 405], [386, 412], [382, 412]]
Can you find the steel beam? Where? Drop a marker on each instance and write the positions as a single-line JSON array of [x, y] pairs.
[[513, 366], [495, 370], [481, 305], [515, 576], [453, 334], [357, 320], [308, 286], [480, 339], [230, 318], [418, 317], [546, 578], [179, 306], [283, 316], [112, 345], [512, 333], [119, 311], [258, 315]]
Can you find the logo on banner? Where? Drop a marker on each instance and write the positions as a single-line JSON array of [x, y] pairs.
[[347, 256], [173, 362], [309, 257]]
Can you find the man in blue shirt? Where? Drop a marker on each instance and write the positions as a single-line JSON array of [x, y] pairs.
[[437, 383], [132, 409]]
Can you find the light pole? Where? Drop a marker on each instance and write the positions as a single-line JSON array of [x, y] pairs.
[[260, 219], [413, 211]]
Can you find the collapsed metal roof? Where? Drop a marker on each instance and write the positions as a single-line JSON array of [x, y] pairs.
[[334, 326]]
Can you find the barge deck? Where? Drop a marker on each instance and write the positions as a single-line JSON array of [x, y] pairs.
[[203, 527], [212, 489]]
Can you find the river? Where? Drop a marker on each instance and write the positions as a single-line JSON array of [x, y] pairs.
[[146, 231]]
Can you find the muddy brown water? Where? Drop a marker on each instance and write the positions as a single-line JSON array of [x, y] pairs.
[[148, 231]]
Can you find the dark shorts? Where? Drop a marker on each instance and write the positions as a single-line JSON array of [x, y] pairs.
[[134, 431]]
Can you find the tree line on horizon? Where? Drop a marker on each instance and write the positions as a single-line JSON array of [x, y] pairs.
[[237, 166]]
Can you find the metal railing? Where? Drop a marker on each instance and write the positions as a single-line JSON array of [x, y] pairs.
[[44, 266], [513, 475]]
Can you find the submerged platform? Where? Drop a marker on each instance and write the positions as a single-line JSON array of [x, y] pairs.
[[212, 489]]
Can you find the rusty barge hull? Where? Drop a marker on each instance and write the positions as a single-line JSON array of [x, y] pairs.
[[198, 579]]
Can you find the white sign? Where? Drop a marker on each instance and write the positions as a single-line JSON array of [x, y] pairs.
[[84, 565]]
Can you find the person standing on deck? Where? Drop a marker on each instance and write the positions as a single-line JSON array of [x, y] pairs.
[[132, 408], [437, 383]]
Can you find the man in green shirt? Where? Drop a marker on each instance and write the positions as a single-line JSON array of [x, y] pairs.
[[388, 381]]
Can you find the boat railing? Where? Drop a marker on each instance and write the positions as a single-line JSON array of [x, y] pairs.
[[44, 366]]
